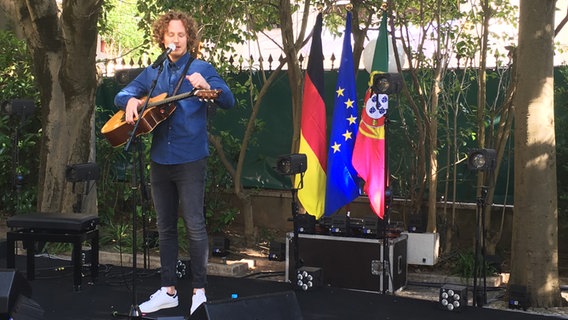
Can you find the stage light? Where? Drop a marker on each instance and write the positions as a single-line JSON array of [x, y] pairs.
[[20, 107], [292, 164], [336, 225], [453, 297], [370, 226], [339, 225], [125, 76], [305, 223], [82, 172], [387, 83], [220, 247], [518, 297], [277, 251], [182, 268], [308, 278], [482, 160]]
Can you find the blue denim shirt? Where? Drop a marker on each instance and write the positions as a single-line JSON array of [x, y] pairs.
[[182, 137]]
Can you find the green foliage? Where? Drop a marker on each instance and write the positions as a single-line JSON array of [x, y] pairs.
[[267, 235], [15, 64], [116, 235], [19, 135], [464, 265], [244, 19], [218, 211], [446, 36], [123, 28], [561, 121], [58, 248], [368, 14]]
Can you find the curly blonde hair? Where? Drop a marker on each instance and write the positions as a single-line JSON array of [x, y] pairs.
[[160, 26]]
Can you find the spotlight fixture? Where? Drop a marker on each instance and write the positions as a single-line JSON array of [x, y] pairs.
[[21, 107], [292, 164], [277, 251], [370, 226], [125, 76], [339, 225], [481, 160], [220, 246], [387, 83], [308, 278], [182, 269], [82, 172], [518, 297], [453, 297], [305, 223]]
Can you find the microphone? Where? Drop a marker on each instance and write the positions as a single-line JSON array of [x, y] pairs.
[[171, 47]]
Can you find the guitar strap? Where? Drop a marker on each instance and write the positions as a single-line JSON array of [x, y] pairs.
[[211, 107], [183, 74]]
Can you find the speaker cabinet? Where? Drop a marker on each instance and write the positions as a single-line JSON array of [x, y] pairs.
[[273, 306], [12, 284], [27, 309]]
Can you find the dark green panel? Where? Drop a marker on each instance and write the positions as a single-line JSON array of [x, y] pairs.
[[275, 137]]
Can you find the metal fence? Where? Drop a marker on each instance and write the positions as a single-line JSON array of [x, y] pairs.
[[108, 66]]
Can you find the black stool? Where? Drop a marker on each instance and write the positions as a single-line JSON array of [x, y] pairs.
[[71, 228]]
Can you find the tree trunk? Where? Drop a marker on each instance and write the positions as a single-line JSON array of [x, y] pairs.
[[242, 194], [295, 76], [535, 229], [291, 48], [433, 132], [433, 153], [250, 229], [62, 42]]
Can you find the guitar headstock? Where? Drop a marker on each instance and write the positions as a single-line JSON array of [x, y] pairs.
[[207, 95]]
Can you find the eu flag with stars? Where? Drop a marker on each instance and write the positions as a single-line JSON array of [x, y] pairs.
[[342, 186]]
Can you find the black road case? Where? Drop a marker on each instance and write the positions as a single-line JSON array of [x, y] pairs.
[[349, 262]]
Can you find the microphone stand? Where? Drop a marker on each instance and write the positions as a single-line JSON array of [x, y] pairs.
[[135, 312], [18, 178]]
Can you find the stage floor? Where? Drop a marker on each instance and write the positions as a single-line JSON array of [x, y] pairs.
[[113, 295]]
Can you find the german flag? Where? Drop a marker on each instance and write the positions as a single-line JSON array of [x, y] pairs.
[[313, 134]]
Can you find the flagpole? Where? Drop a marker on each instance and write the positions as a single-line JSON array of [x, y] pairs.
[[387, 188], [370, 153], [388, 199], [386, 217]]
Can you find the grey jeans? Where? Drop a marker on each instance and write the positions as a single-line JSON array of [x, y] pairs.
[[178, 190]]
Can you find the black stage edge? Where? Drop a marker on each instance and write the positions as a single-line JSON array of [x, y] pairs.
[[53, 291]]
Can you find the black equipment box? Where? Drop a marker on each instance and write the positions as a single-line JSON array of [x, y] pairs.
[[350, 262]]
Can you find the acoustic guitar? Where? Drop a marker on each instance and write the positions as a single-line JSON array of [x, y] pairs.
[[159, 108]]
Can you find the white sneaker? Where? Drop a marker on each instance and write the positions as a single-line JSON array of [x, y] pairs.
[[198, 299], [159, 300]]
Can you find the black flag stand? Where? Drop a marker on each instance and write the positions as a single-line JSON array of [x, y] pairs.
[[480, 267], [387, 277], [295, 212]]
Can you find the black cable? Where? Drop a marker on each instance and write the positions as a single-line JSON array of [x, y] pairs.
[[263, 274]]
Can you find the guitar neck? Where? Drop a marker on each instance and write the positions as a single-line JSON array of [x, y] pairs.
[[201, 93], [171, 99]]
